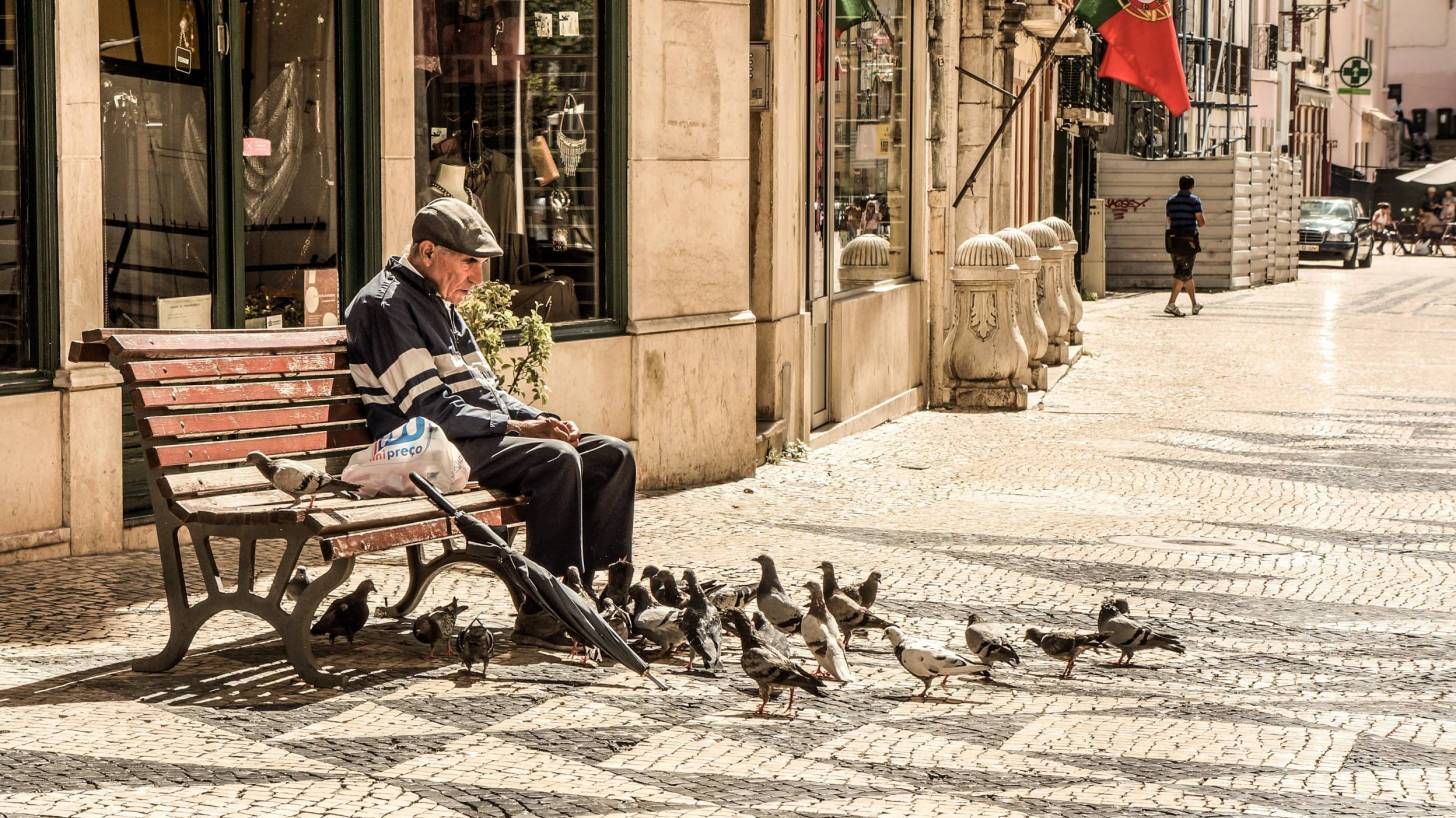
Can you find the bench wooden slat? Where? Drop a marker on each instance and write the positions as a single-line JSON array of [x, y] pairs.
[[331, 514], [382, 539], [229, 367], [244, 420], [127, 346], [199, 452], [289, 389]]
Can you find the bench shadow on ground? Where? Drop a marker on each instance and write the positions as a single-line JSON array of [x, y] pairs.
[[253, 673]]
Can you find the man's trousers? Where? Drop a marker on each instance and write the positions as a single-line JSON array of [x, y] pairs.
[[579, 500]]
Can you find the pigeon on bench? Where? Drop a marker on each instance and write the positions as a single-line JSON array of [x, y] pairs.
[[299, 479]]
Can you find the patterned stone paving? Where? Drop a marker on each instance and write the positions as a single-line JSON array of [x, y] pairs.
[[1273, 480]]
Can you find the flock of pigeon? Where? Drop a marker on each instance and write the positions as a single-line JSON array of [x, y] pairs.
[[659, 619]]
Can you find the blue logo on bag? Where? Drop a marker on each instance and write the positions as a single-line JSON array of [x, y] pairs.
[[396, 445]]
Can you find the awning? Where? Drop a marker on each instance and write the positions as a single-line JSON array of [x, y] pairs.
[[1441, 173], [1310, 95]]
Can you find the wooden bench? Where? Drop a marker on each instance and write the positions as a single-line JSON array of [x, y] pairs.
[[205, 398]]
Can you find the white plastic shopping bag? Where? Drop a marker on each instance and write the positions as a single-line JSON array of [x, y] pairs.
[[418, 445]]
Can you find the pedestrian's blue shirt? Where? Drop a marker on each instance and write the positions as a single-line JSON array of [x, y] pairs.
[[1183, 210]]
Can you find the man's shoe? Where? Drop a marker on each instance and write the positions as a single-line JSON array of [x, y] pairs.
[[1172, 309], [540, 630], [1197, 308]]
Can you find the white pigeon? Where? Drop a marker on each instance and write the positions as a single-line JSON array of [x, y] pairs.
[[927, 660], [297, 585], [773, 601], [298, 479], [821, 634]]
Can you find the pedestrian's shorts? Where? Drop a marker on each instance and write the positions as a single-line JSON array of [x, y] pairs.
[[1183, 266]]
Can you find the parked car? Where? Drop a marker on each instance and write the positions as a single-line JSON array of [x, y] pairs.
[[1335, 227]]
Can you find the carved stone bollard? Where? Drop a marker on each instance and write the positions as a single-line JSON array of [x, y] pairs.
[[865, 260], [1028, 315], [1050, 301], [985, 354], [1068, 239]]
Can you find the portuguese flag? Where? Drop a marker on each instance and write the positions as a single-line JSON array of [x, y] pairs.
[[1142, 47]]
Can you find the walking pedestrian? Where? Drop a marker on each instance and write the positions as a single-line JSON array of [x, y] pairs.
[[1185, 216]]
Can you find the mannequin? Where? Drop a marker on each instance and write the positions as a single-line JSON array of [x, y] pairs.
[[450, 179]]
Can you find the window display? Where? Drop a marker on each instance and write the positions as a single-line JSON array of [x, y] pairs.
[[17, 278], [863, 73], [507, 114]]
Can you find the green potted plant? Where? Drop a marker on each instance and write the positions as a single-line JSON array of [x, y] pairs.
[[487, 312]]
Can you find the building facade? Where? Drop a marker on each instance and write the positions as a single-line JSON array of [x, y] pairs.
[[1422, 55], [737, 213]]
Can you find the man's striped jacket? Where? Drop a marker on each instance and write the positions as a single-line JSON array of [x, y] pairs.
[[411, 355]]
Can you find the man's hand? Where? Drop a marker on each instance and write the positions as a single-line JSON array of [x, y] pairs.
[[547, 428]]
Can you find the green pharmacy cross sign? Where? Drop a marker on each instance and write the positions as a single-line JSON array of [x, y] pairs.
[[1354, 74]]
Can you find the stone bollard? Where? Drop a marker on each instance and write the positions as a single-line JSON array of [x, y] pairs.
[[985, 355], [1050, 301], [1028, 316], [1068, 239], [865, 260]]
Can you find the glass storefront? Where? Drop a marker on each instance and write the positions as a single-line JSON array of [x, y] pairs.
[[17, 278], [860, 79], [508, 115], [162, 183]]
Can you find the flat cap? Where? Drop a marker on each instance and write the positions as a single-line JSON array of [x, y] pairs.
[[457, 226]]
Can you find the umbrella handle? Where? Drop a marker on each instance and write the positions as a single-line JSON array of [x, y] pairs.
[[469, 526]]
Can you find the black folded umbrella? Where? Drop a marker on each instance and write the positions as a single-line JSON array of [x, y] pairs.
[[526, 579]]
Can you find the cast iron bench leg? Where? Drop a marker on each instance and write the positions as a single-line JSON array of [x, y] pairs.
[[184, 622], [297, 641]]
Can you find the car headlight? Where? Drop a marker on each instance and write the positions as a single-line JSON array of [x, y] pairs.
[[1337, 236]]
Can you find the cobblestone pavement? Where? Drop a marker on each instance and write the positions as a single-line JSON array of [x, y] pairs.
[[1272, 479]]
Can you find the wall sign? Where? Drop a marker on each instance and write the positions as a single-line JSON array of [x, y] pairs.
[[1355, 73]]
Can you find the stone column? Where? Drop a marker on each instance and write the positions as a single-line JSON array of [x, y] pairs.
[[1068, 239], [1028, 316], [1050, 301], [986, 352], [865, 260]]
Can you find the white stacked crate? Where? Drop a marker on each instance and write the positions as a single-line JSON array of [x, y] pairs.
[[1261, 227], [1286, 222], [1136, 190]]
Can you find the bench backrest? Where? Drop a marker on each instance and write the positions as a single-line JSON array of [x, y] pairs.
[[204, 399]]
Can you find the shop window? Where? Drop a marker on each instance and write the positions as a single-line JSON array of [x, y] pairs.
[[220, 184], [860, 85], [509, 117], [27, 268]]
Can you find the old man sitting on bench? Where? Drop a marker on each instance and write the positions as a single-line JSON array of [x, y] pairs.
[[411, 355]]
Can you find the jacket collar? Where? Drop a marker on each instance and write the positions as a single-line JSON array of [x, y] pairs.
[[401, 269]]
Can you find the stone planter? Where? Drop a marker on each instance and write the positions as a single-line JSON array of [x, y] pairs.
[[1068, 239], [1050, 302], [986, 357], [865, 260]]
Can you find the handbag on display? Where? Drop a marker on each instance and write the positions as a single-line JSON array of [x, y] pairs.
[[552, 296], [571, 148], [542, 161], [568, 228]]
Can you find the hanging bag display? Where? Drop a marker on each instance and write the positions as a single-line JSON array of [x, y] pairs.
[[571, 147], [538, 287]]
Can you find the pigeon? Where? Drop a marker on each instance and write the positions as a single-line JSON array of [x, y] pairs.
[[1066, 645], [732, 596], [1129, 635], [659, 624], [702, 625], [346, 615], [769, 668], [866, 592], [647, 572], [771, 599], [298, 584], [299, 479], [618, 618], [990, 647], [665, 590], [769, 635], [851, 615], [619, 579], [474, 644], [927, 660], [573, 581], [438, 625], [821, 634]]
